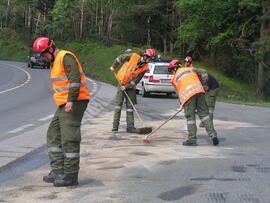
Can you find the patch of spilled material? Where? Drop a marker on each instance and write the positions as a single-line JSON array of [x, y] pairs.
[[178, 193]]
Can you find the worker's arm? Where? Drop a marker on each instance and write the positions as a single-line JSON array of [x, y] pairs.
[[202, 74], [134, 82], [74, 78], [120, 60]]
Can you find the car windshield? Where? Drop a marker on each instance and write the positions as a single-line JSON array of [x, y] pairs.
[[161, 70]]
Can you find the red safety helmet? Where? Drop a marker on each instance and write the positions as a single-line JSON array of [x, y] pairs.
[[150, 53], [188, 59], [174, 63], [42, 44]]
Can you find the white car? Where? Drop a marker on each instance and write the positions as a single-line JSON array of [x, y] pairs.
[[157, 80]]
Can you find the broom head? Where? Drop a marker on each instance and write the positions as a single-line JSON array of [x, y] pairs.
[[145, 141], [144, 130]]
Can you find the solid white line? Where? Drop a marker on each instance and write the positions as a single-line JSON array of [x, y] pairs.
[[20, 128], [28, 78], [46, 118], [95, 86]]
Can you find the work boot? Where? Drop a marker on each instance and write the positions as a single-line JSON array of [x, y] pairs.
[[52, 176], [189, 143], [215, 141], [114, 129], [131, 130], [68, 180], [201, 125]]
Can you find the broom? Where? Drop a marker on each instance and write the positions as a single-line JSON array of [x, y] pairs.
[[146, 141], [142, 130]]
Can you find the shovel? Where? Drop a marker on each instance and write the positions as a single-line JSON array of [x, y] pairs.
[[142, 130]]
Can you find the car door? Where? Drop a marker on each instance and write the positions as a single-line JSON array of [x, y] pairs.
[[145, 77]]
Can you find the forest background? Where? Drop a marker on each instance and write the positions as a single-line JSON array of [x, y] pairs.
[[233, 36]]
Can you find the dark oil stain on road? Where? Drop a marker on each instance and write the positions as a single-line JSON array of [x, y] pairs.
[[213, 178], [141, 153], [178, 193], [51, 196], [217, 197], [167, 162], [239, 169], [116, 138], [111, 167]]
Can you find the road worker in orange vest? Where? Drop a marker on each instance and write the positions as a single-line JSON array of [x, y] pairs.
[[191, 96], [210, 84], [71, 97], [133, 68]]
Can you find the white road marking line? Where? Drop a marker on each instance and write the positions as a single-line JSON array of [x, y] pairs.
[[28, 78], [94, 86], [46, 118], [20, 128]]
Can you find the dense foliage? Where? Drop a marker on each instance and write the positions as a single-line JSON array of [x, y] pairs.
[[234, 35]]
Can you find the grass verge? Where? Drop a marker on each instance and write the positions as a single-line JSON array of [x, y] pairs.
[[96, 60]]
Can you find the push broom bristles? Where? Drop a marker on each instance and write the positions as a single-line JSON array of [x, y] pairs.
[[144, 130]]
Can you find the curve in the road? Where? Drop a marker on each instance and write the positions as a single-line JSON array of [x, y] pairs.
[[24, 83]]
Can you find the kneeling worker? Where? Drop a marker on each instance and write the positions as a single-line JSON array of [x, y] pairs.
[[192, 97]]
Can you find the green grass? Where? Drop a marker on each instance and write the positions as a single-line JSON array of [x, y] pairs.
[[12, 47], [96, 60]]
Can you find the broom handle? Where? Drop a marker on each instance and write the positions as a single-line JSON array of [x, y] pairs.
[[141, 121], [164, 123]]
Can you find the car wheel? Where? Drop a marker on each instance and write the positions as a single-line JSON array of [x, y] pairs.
[[144, 92]]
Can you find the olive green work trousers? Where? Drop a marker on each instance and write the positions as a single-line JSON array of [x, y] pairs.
[[211, 97], [198, 102], [64, 137], [119, 99]]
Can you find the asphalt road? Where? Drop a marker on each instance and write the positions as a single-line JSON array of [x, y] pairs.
[[26, 108], [123, 170], [25, 100]]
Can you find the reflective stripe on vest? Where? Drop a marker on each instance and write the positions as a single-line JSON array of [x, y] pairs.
[[128, 70], [187, 83], [70, 86], [60, 82]]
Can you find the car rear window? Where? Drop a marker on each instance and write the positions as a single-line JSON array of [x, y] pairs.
[[161, 70]]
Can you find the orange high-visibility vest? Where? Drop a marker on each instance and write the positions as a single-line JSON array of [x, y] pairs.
[[127, 72], [187, 83], [60, 82]]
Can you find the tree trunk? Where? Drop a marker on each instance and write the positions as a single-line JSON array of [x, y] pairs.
[[164, 40], [96, 16], [264, 34], [7, 13], [259, 86], [37, 23], [110, 23], [148, 31], [172, 34], [81, 22], [29, 17]]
